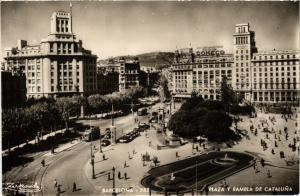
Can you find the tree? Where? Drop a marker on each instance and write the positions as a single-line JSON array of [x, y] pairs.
[[164, 92], [202, 118], [227, 94], [97, 102], [80, 102], [65, 105], [7, 127]]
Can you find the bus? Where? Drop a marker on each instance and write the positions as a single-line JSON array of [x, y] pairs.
[[142, 111]]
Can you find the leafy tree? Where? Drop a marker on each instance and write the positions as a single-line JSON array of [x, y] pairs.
[[65, 105], [202, 118], [227, 94], [97, 102], [164, 92], [81, 103], [7, 127]]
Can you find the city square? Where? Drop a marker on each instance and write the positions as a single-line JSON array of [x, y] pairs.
[[220, 119]]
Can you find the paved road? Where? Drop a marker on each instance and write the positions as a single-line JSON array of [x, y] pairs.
[[69, 168]]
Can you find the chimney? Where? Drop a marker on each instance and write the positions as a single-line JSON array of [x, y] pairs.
[[21, 44]]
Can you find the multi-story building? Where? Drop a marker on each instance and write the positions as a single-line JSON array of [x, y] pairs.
[[260, 77], [243, 49], [201, 72], [127, 69], [59, 65], [13, 89], [275, 77]]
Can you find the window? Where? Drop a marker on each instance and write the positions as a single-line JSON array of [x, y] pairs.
[[51, 47]]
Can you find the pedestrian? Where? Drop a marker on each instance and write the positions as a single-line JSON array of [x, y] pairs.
[[108, 176], [273, 151], [262, 162], [203, 146], [55, 183], [103, 156], [176, 154], [125, 165], [269, 173], [119, 175], [125, 176], [58, 189], [74, 187], [43, 163]]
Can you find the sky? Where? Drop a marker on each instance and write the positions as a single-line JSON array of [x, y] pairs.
[[129, 28]]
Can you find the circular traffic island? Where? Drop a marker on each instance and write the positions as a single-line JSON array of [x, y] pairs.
[[196, 172]]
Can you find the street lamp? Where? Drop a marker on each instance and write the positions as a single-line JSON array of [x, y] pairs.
[[93, 163], [114, 185], [196, 177], [100, 141]]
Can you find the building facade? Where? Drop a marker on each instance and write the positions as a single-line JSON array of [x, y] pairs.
[[201, 72], [58, 66], [128, 72], [244, 47], [259, 77], [275, 77]]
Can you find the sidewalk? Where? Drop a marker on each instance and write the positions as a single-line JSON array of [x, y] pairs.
[[5, 152], [117, 155]]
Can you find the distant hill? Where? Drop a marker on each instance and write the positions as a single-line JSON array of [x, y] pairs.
[[151, 59]]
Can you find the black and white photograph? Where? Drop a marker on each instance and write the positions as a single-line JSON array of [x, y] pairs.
[[145, 98]]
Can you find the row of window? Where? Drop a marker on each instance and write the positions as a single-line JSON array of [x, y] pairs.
[[276, 63], [242, 57], [276, 74], [33, 89], [63, 47], [274, 96], [276, 69], [62, 25], [283, 80], [242, 40], [274, 57], [274, 86], [241, 51]]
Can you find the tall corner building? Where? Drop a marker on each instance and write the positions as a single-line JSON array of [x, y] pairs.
[[243, 49], [58, 66]]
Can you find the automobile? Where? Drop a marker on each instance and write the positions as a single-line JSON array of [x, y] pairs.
[[105, 143], [143, 126], [135, 132], [124, 139]]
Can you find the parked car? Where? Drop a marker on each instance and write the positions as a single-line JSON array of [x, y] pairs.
[[143, 126], [125, 139]]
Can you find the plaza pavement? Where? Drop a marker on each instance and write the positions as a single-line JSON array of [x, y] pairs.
[[282, 174]]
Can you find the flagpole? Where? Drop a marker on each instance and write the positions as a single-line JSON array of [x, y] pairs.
[[71, 17]]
